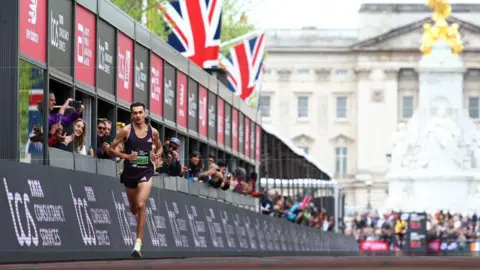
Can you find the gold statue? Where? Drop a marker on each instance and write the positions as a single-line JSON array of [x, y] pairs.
[[441, 30]]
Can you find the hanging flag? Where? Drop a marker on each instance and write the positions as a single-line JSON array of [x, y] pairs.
[[196, 27], [243, 64], [254, 101]]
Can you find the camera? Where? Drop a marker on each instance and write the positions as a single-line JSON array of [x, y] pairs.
[[229, 176], [75, 104]]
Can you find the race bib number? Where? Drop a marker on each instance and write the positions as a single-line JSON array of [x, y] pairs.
[[143, 159]]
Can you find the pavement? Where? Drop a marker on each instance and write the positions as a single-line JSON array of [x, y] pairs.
[[284, 263]]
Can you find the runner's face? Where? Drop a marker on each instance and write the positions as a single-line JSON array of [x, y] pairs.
[[138, 115]]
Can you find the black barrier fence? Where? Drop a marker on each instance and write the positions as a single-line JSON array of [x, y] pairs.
[[55, 214]]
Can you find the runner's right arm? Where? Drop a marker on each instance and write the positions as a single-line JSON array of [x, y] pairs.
[[121, 137]]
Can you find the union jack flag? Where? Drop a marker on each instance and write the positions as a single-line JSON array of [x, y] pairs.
[[196, 27], [243, 65]]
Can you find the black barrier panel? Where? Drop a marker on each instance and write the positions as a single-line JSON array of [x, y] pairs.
[[212, 116], [60, 28], [416, 236], [169, 92], [252, 139], [228, 125], [66, 215], [192, 105], [140, 92], [106, 55], [241, 133]]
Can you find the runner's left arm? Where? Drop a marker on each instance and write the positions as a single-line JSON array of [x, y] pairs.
[[158, 144]]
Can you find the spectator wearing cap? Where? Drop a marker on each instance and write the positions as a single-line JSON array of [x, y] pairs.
[[195, 167], [172, 165]]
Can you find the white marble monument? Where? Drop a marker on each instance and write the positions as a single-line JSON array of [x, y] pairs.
[[436, 154]]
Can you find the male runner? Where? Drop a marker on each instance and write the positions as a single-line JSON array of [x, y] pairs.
[[138, 168]]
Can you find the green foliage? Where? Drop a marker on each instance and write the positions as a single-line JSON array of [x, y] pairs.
[[25, 87], [153, 17], [234, 20]]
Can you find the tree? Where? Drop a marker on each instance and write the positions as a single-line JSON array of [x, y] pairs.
[[147, 14], [234, 20]]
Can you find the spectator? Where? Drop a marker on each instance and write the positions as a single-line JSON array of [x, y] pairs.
[[58, 139], [171, 163], [400, 230], [242, 186], [108, 127], [226, 177], [267, 202], [215, 177], [103, 140], [60, 117], [79, 133], [195, 167], [211, 159]]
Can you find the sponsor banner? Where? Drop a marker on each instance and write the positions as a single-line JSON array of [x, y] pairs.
[[85, 35], [57, 214], [124, 68], [212, 116], [374, 246], [252, 140], [220, 120], [60, 25], [203, 111], [169, 92], [156, 85], [234, 129], [247, 137], [258, 143], [192, 105], [106, 52], [33, 29], [182, 99], [228, 125], [416, 237], [142, 67]]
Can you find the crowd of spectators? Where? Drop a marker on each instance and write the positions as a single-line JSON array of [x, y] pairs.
[[67, 131], [304, 213], [391, 228]]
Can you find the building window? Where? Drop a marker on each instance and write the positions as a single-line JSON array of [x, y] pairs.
[[341, 160], [473, 104], [407, 73], [341, 109], [407, 107], [303, 71], [302, 107], [265, 106], [341, 73], [304, 149]]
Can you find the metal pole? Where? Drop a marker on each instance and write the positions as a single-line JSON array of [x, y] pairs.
[[336, 207]]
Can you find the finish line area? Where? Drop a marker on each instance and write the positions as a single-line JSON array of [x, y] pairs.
[[389, 262]]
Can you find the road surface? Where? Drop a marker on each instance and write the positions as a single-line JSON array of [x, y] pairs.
[[284, 263]]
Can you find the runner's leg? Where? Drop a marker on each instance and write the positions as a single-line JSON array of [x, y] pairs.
[[132, 194], [144, 189]]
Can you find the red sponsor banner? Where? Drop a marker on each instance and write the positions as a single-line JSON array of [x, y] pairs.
[[33, 29], [247, 137], [202, 111], [156, 84], [85, 29], [234, 130], [258, 141], [182, 99], [124, 68], [433, 245], [220, 121], [374, 246]]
